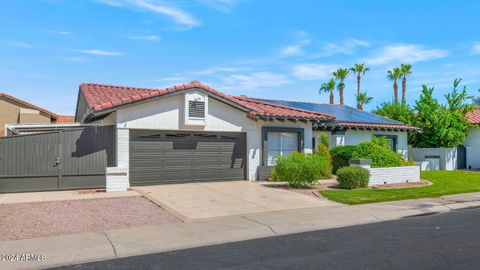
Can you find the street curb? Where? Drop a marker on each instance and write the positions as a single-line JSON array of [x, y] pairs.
[[135, 241]]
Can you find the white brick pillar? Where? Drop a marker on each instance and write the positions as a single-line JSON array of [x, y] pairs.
[[118, 177]]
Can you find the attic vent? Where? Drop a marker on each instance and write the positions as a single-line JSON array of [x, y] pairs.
[[196, 109]]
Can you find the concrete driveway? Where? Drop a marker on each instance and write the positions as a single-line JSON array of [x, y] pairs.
[[215, 199]]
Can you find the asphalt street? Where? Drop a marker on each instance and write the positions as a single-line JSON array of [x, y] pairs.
[[441, 241]]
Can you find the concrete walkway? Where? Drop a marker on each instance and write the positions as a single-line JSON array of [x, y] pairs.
[[216, 199], [72, 249], [67, 195]]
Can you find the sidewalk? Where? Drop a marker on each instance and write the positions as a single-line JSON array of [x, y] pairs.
[[72, 249]]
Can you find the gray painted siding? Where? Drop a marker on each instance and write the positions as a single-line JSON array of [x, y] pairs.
[[27, 163]]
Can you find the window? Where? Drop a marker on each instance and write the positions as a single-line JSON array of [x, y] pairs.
[[280, 144], [196, 109], [391, 140]]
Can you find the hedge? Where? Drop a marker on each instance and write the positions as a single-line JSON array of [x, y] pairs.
[[353, 177], [301, 170], [380, 155], [340, 156]]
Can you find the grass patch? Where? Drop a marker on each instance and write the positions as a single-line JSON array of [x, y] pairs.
[[444, 183]]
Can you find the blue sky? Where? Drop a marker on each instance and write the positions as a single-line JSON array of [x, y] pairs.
[[276, 49]]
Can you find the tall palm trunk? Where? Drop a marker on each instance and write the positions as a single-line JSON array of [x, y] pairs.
[[332, 98], [341, 95], [404, 90], [358, 89], [395, 91]]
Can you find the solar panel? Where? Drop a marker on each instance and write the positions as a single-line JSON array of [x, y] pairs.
[[342, 113]]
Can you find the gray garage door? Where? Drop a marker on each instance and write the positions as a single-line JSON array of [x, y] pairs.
[[158, 157]]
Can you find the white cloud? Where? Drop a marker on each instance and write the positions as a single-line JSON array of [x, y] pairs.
[[16, 44], [61, 33], [297, 48], [76, 59], [292, 50], [100, 52], [215, 70], [476, 48], [313, 71], [405, 53], [221, 5], [178, 15], [346, 47], [146, 37], [254, 81]]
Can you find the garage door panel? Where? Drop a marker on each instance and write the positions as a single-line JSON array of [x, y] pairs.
[[172, 156]]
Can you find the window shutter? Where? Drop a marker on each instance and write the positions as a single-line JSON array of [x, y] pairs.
[[196, 109]]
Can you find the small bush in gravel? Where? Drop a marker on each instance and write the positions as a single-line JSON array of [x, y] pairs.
[[301, 170], [353, 177]]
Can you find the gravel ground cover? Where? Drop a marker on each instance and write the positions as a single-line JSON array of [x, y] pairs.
[[32, 220]]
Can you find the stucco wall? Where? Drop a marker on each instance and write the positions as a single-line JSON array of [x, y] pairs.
[[168, 114], [354, 137], [472, 143], [447, 157], [10, 114]]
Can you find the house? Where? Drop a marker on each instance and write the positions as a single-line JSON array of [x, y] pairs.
[[15, 111], [472, 143], [353, 126], [192, 132]]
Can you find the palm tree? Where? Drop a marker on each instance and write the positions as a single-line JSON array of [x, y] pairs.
[[394, 75], [328, 87], [363, 99], [405, 71], [341, 74], [360, 70]]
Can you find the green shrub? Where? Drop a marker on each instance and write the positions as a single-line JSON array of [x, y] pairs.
[[381, 156], [352, 177], [323, 150], [340, 156], [324, 139], [301, 170]]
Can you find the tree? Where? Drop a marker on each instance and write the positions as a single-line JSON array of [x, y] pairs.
[[405, 70], [476, 101], [360, 70], [459, 101], [441, 126], [328, 87], [340, 75], [396, 111], [394, 75], [363, 99]]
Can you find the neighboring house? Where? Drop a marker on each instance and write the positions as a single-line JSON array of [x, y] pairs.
[[192, 132], [472, 143], [15, 111]]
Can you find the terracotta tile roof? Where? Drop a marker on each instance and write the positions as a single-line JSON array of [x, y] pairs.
[[63, 119], [474, 116], [53, 115], [372, 125], [100, 97]]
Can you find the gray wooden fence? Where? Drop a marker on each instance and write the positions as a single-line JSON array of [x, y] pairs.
[[57, 160]]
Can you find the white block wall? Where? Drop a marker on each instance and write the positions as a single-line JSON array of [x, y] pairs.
[[448, 156], [117, 179], [379, 176]]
